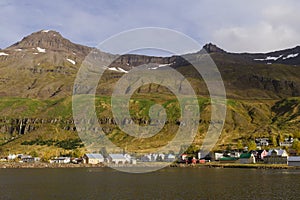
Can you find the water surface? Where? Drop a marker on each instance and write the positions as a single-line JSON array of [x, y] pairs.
[[168, 183]]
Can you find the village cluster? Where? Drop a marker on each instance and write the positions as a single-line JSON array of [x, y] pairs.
[[261, 155], [94, 158]]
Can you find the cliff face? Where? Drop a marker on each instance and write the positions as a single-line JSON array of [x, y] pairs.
[[21, 126]]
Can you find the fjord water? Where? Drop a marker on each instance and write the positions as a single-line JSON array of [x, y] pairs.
[[168, 183]]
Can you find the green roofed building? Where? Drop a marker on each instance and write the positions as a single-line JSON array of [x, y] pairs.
[[247, 158], [228, 159]]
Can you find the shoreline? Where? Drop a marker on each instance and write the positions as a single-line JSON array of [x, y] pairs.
[[41, 165]]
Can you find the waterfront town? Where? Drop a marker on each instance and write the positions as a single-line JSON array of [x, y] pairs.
[[284, 155]]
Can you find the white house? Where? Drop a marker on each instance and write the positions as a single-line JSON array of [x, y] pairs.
[[218, 156], [61, 160], [262, 142], [93, 158], [288, 142], [294, 161], [11, 157], [117, 159], [170, 158]]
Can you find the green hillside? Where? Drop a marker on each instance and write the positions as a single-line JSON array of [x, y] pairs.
[[54, 132]]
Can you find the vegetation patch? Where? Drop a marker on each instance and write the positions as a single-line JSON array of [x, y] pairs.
[[64, 144]]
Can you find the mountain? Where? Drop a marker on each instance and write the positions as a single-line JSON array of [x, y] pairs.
[[37, 76], [44, 65]]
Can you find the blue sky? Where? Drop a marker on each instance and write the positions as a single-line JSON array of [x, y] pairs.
[[237, 26]]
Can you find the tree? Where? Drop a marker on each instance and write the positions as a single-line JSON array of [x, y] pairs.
[[46, 156], [296, 146], [274, 141], [240, 145], [34, 154], [229, 147], [251, 145], [279, 138], [76, 153]]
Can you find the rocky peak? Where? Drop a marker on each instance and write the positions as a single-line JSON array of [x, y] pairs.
[[212, 48], [49, 40]]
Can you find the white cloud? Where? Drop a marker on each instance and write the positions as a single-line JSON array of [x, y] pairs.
[[256, 25], [277, 28]]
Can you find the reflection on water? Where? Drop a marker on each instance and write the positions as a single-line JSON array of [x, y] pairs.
[[168, 183]]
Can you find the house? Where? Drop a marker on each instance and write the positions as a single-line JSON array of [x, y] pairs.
[[146, 158], [133, 161], [294, 161], [11, 157], [117, 159], [247, 158], [170, 158], [128, 158], [288, 142], [184, 156], [292, 152], [78, 160], [218, 156], [27, 159], [93, 158], [260, 154], [61, 160], [276, 156], [262, 142], [161, 157]]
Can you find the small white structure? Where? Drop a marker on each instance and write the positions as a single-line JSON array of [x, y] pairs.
[[117, 159], [262, 142], [128, 158], [161, 157], [170, 158], [133, 161], [218, 156], [61, 160], [93, 158], [288, 142], [294, 161], [11, 157]]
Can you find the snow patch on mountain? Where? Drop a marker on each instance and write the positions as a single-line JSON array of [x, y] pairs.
[[3, 54], [117, 69], [160, 65], [290, 56], [268, 58], [41, 50], [71, 61]]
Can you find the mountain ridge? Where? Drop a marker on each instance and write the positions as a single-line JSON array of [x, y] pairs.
[[44, 65]]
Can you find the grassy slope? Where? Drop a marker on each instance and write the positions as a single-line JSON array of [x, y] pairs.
[[246, 119]]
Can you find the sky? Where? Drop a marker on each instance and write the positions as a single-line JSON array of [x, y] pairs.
[[234, 25]]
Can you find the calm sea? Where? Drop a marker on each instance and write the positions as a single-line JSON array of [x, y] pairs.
[[168, 183]]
